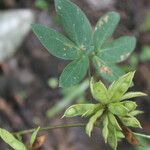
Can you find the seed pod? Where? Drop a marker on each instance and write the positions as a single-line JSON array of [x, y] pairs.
[[114, 121], [119, 87], [131, 122], [99, 91], [80, 109], [105, 130], [130, 105], [118, 109]]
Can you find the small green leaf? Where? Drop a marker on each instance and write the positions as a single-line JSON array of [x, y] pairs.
[[119, 87], [114, 121], [33, 136], [110, 72], [90, 125], [74, 72], [80, 110], [100, 92], [57, 44], [11, 140], [75, 23], [118, 50], [105, 130], [131, 122], [105, 28], [129, 105], [132, 95], [118, 109], [112, 139]]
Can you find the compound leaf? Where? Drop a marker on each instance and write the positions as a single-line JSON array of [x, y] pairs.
[[11, 140], [118, 50], [105, 28], [75, 23], [74, 72], [57, 44]]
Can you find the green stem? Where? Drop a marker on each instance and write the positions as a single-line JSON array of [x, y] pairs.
[[142, 135], [49, 128]]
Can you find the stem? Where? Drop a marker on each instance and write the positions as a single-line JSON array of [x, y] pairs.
[[142, 135], [49, 128]]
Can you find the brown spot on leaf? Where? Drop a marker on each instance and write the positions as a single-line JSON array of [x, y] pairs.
[[105, 69]]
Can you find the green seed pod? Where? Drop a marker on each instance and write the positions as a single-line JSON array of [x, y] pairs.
[[99, 91], [135, 112], [130, 105], [119, 87], [105, 130], [81, 110], [120, 135], [131, 122], [118, 109], [114, 121]]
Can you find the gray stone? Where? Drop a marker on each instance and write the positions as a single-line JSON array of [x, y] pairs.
[[14, 26], [100, 4]]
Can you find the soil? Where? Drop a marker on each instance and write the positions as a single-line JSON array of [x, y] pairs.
[[24, 92]]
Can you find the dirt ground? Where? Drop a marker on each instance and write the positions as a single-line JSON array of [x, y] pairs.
[[25, 95]]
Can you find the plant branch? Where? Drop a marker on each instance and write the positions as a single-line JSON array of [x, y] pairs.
[[49, 128], [142, 135]]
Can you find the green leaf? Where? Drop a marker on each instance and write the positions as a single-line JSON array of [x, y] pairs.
[[11, 140], [129, 105], [74, 72], [105, 28], [105, 130], [118, 50], [99, 92], [80, 110], [75, 23], [118, 109], [112, 139], [114, 121], [57, 44], [131, 122], [119, 87], [110, 72], [132, 95], [33, 136], [90, 125]]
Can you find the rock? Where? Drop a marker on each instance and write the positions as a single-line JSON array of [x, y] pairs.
[[14, 26], [100, 4]]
